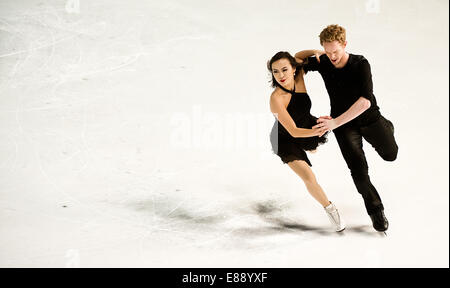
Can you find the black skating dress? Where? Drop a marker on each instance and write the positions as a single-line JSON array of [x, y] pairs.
[[290, 148]]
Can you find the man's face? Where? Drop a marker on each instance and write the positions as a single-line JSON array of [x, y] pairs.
[[335, 52]]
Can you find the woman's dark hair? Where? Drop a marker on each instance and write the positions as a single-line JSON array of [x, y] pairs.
[[282, 55]]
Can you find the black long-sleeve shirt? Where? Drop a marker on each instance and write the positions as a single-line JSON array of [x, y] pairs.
[[346, 85]]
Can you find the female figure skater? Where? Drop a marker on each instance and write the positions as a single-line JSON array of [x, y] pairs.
[[292, 133]]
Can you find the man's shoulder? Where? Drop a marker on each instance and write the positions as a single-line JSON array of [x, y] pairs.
[[325, 61], [324, 57], [358, 59], [322, 65]]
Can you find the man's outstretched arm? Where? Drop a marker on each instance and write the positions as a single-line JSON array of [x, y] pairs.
[[328, 124], [361, 105]]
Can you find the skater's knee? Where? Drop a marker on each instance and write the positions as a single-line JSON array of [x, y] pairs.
[[390, 156], [310, 181]]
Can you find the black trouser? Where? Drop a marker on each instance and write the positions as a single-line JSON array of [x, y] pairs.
[[380, 135]]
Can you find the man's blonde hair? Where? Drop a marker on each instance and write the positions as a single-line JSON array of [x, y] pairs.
[[332, 33]]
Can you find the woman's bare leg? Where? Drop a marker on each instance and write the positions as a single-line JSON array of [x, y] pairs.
[[302, 169]]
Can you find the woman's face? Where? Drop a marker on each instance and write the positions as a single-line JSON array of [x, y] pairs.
[[283, 72]]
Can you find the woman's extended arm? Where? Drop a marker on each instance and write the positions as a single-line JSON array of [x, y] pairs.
[[278, 109]]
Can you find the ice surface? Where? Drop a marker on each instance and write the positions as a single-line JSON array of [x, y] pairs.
[[135, 134]]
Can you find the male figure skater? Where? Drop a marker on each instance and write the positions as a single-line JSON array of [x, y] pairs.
[[354, 113]]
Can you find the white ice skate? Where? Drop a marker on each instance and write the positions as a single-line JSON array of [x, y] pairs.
[[335, 219]]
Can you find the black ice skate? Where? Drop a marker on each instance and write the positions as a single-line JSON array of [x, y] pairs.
[[379, 221]]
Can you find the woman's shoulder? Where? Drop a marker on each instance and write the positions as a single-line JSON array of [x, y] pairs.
[[278, 97], [278, 93]]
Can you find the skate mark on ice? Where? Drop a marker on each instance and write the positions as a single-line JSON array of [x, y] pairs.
[[177, 215], [267, 212]]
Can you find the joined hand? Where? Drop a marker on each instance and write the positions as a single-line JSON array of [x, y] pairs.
[[326, 123]]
